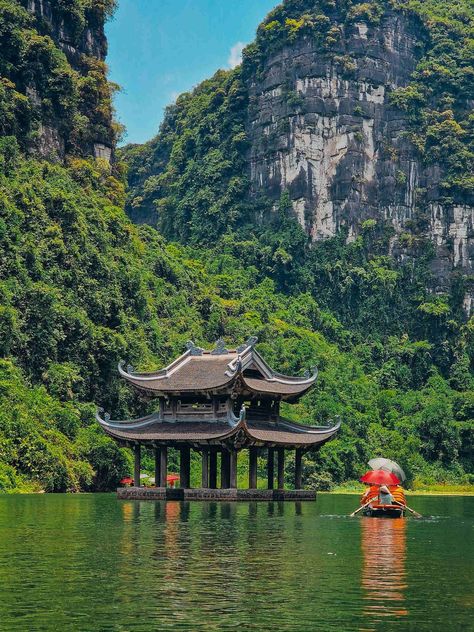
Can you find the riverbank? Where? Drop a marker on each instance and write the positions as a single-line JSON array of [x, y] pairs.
[[435, 490], [432, 490]]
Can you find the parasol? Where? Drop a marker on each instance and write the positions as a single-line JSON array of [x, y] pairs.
[[171, 479], [389, 466], [380, 477]]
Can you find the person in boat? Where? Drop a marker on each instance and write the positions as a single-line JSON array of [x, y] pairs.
[[374, 493], [385, 497]]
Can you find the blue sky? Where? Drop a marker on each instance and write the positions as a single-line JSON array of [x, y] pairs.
[[160, 48]]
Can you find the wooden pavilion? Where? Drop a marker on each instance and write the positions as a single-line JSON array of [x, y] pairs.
[[218, 402]]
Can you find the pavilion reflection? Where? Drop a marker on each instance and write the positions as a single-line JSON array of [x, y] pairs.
[[383, 569]]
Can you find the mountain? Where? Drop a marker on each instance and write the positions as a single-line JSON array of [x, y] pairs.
[[54, 95], [227, 238], [360, 111]]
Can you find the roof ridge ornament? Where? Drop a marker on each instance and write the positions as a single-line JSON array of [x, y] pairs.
[[220, 349], [193, 349], [313, 370], [251, 342]]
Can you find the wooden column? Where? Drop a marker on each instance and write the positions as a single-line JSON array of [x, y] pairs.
[[185, 467], [298, 468], [205, 468], [137, 465], [225, 463], [281, 468], [213, 469], [233, 469], [252, 468], [163, 465], [157, 466], [270, 467]]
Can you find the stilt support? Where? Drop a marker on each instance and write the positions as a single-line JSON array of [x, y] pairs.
[[281, 468], [185, 468], [157, 466], [163, 465], [233, 469], [225, 467], [253, 468], [270, 468], [205, 468]]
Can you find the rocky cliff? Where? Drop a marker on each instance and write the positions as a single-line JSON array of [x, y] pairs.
[[323, 127], [359, 111], [54, 94]]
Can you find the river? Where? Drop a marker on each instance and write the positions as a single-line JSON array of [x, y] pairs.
[[93, 563]]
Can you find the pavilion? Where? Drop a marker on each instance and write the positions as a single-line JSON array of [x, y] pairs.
[[218, 402]]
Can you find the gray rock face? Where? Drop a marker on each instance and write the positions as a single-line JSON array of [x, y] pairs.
[[90, 42], [321, 127]]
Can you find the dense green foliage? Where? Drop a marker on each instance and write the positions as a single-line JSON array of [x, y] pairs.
[[39, 87], [81, 287]]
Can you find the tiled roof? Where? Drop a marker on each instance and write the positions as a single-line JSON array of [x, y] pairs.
[[245, 432], [198, 370], [196, 373], [277, 388]]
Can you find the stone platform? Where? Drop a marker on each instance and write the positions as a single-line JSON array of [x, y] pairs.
[[169, 493]]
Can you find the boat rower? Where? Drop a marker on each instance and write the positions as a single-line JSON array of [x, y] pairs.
[[385, 497]]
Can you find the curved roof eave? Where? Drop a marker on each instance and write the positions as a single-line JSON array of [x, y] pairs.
[[114, 428], [286, 433], [274, 376], [292, 390], [310, 429]]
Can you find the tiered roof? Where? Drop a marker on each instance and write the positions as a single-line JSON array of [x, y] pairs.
[[221, 370], [237, 432], [215, 380]]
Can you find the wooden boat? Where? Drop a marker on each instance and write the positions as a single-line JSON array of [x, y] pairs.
[[376, 510]]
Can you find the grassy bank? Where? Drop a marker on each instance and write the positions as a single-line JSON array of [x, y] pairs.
[[428, 490]]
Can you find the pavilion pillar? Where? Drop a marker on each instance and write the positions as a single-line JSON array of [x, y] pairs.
[[225, 466], [213, 469], [163, 465], [270, 467], [281, 468], [252, 468], [185, 467], [205, 468], [233, 469], [137, 465], [157, 466], [298, 468]]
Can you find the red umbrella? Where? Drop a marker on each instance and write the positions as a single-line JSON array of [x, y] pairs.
[[380, 477], [127, 480], [171, 479]]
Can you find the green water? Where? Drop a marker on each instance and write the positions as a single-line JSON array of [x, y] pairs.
[[93, 563]]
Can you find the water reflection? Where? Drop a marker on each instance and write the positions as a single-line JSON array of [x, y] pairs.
[[91, 562], [383, 569]]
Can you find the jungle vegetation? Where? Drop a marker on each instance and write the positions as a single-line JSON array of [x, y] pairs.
[[82, 287]]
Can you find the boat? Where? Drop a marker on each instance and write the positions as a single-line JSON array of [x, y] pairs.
[[376, 510], [384, 498]]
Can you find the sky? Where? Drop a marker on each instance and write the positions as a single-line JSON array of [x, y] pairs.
[[160, 48]]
